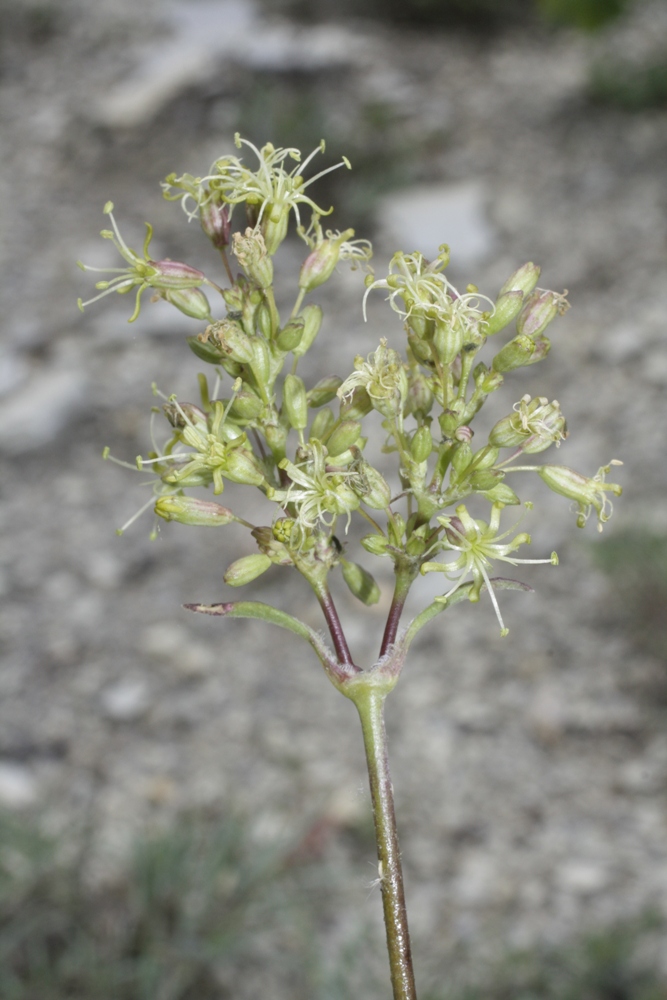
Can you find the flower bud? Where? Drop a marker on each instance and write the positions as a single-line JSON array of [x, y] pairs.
[[447, 340], [242, 467], [461, 459], [188, 510], [251, 253], [420, 394], [172, 274], [360, 582], [375, 544], [421, 445], [263, 321], [450, 419], [539, 310], [295, 403], [204, 350], [486, 381], [324, 391], [319, 265], [261, 360], [356, 405], [486, 479], [283, 529], [272, 546], [515, 354], [507, 307], [227, 335], [345, 435], [275, 222], [322, 424], [485, 458], [523, 280], [291, 335], [216, 223], [247, 569], [312, 321], [373, 488], [246, 404], [502, 493], [190, 301]]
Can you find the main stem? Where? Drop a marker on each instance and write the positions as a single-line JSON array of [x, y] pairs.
[[370, 705]]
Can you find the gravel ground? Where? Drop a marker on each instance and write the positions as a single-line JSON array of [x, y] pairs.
[[530, 774]]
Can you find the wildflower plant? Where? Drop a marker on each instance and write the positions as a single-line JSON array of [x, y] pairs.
[[257, 423]]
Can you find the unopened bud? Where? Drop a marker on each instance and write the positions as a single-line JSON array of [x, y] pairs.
[[356, 405], [486, 380], [515, 354], [447, 340], [216, 223], [324, 391], [263, 321], [242, 467], [450, 419], [322, 424], [373, 489], [360, 582], [189, 510], [502, 493], [420, 394], [190, 301], [523, 280], [486, 479], [295, 403], [540, 309], [173, 274], [291, 335], [346, 434], [319, 265], [421, 445], [375, 544], [246, 404], [507, 307], [312, 321], [247, 569], [261, 360], [461, 459]]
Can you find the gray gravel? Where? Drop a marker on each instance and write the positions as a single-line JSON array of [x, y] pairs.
[[530, 774]]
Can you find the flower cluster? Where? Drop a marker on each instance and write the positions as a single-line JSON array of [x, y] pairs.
[[303, 447]]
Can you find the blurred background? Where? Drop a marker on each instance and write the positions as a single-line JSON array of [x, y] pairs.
[[183, 805]]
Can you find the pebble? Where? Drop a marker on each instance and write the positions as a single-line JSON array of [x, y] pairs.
[[18, 788], [126, 701], [421, 218]]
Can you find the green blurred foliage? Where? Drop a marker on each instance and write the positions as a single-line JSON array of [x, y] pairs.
[[588, 15], [481, 16], [630, 87]]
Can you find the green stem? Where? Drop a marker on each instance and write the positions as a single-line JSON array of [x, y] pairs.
[[370, 705]]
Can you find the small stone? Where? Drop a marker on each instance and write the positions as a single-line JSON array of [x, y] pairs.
[[18, 788], [126, 701], [582, 877], [424, 217]]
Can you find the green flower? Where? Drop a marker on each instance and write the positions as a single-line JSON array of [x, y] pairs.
[[166, 276], [479, 544]]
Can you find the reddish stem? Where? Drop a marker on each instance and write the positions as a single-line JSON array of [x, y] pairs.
[[335, 627]]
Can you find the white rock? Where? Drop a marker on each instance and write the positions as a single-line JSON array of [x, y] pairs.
[[18, 787], [421, 218], [37, 413], [126, 701], [582, 877]]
